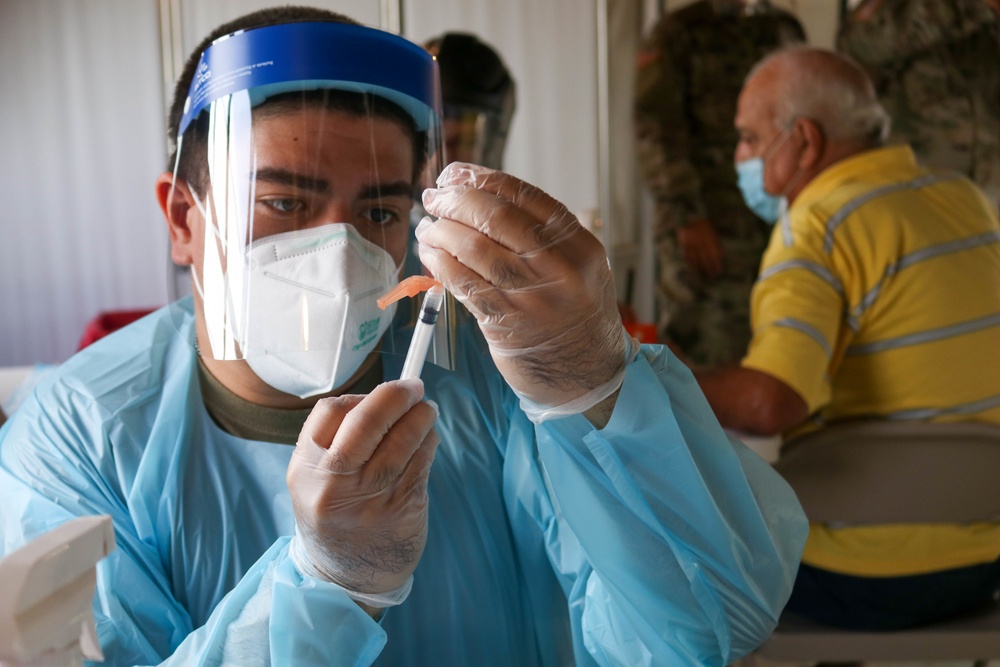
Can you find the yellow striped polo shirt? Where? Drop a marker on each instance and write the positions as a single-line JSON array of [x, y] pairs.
[[879, 296]]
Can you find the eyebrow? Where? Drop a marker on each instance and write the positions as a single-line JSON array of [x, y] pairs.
[[285, 177], [382, 190], [322, 186]]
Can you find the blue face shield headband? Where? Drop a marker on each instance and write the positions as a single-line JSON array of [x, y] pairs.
[[310, 56]]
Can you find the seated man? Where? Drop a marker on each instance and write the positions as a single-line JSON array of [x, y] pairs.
[[878, 297], [270, 478]]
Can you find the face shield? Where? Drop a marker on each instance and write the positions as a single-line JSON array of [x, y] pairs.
[[301, 150], [476, 135], [479, 99]]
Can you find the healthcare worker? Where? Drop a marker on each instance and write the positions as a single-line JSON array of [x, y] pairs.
[[270, 478], [478, 95]]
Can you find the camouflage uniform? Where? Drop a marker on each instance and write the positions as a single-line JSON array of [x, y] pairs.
[[689, 75], [936, 66]]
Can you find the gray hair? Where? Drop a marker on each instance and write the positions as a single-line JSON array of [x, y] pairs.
[[828, 88]]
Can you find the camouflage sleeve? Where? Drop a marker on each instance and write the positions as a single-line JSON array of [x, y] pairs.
[[870, 36], [663, 132], [881, 34]]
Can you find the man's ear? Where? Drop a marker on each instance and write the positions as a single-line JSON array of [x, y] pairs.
[[177, 204], [810, 134]]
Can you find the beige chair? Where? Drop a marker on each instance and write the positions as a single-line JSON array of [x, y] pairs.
[[877, 472]]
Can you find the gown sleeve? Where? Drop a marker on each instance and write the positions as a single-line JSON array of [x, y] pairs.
[[673, 544], [57, 463]]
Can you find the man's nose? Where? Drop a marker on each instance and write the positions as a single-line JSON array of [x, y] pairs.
[[741, 153], [337, 211]]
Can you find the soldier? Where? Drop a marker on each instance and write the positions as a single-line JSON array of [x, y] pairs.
[[709, 243], [934, 63]]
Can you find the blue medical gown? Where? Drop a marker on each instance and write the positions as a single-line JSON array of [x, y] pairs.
[[653, 541]]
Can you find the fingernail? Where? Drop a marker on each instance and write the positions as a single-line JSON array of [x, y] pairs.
[[423, 226], [415, 385], [446, 173], [437, 410], [429, 257], [461, 173], [430, 194]]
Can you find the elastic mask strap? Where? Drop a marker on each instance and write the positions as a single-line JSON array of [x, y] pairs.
[[197, 286], [209, 221], [778, 142]]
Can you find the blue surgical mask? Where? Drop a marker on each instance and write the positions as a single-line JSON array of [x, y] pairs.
[[750, 174], [750, 179]]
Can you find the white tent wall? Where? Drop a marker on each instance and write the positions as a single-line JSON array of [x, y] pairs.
[[85, 93], [81, 118]]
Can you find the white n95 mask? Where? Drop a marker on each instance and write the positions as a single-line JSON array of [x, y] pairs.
[[312, 317]]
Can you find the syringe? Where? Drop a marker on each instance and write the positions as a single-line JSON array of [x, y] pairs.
[[423, 331]]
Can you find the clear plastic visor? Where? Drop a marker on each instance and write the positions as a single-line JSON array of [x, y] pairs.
[[475, 135], [300, 214]]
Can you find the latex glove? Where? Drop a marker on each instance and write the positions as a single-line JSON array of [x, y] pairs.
[[701, 247], [358, 483], [538, 283]]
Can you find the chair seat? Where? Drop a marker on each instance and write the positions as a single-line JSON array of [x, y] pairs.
[[875, 472], [975, 634]]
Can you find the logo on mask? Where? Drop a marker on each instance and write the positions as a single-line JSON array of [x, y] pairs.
[[367, 332]]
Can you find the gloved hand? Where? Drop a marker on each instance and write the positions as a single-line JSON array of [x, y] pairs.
[[358, 482], [538, 283]]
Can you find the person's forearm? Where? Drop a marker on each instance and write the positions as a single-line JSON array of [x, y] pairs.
[[750, 401]]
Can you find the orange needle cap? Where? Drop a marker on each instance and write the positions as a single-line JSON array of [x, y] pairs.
[[411, 286]]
